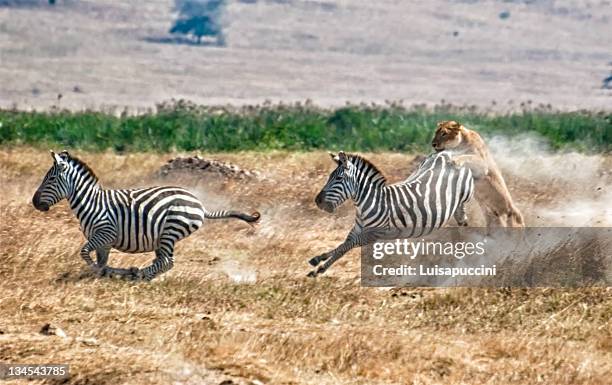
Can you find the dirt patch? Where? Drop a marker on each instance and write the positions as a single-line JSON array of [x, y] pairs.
[[196, 164]]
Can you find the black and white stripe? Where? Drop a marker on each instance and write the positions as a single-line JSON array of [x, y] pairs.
[[133, 221], [425, 201]]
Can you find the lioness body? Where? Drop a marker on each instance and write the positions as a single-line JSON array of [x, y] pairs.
[[490, 188]]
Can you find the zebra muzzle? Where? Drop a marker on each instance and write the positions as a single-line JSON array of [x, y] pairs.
[[323, 204], [38, 205]]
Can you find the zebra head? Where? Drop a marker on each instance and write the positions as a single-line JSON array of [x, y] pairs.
[[54, 186], [339, 186]]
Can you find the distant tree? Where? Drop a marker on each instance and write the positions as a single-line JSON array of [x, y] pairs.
[[607, 82], [200, 18]]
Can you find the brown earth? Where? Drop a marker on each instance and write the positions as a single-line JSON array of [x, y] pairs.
[[238, 307]]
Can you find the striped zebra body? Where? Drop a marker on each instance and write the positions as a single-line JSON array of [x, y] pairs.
[[139, 217], [132, 221], [425, 201]]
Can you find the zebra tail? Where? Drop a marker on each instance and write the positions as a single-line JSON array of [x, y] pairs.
[[254, 217]]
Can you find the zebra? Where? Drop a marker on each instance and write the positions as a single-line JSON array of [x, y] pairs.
[[133, 221], [425, 201]]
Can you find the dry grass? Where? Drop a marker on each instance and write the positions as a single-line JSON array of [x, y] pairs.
[[197, 324]]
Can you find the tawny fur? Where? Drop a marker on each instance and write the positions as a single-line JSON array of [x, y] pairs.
[[491, 191]]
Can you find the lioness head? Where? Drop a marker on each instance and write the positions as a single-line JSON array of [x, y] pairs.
[[448, 135]]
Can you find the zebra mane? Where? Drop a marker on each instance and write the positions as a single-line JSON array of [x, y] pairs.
[[79, 163], [355, 158]]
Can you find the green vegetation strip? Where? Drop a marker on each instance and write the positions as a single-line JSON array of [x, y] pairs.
[[184, 126]]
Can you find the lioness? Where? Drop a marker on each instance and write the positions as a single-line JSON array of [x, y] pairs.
[[490, 189]]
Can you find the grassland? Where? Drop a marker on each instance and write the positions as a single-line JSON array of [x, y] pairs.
[[185, 126], [204, 322]]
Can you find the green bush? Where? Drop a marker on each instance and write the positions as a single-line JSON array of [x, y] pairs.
[[184, 126]]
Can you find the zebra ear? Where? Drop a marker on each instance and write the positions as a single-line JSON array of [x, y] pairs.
[[59, 161], [56, 158], [343, 159]]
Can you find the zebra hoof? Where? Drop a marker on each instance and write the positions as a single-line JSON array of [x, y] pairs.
[[97, 270], [314, 261], [312, 274], [134, 274]]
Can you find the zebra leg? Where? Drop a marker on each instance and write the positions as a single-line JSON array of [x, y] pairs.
[[331, 257], [164, 261], [99, 240], [111, 272], [102, 256], [314, 261], [102, 260], [460, 215], [355, 231], [85, 251]]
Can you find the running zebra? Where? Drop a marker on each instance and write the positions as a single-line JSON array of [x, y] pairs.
[[423, 202], [133, 221]]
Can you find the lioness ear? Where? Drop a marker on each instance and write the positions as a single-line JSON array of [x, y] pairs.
[[455, 125], [343, 159]]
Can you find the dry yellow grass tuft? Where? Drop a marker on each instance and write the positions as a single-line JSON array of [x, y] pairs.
[[238, 306]]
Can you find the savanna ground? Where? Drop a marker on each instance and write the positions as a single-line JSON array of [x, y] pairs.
[[237, 306]]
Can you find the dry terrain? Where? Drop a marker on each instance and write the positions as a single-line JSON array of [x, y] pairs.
[[116, 52], [238, 309]]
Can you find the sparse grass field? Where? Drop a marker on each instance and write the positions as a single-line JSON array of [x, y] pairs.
[[237, 306]]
